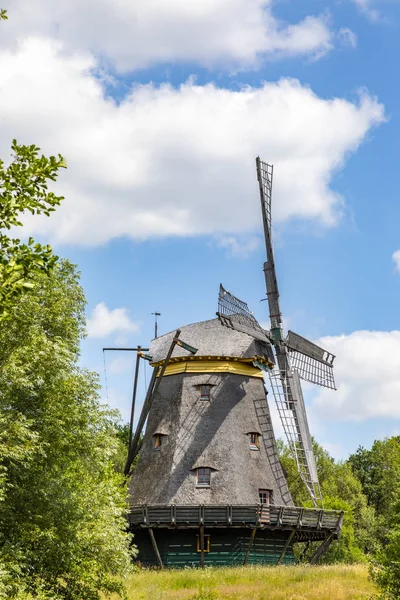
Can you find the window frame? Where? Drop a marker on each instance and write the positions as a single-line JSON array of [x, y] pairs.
[[268, 496], [157, 441], [205, 396], [256, 444], [207, 543], [200, 484]]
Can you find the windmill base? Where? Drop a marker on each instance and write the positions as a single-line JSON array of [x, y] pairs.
[[190, 536], [223, 547]]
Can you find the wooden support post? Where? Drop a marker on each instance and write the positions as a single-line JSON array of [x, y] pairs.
[[320, 551], [202, 562], [253, 535], [155, 547], [155, 381], [300, 518], [134, 396], [302, 555], [285, 547]]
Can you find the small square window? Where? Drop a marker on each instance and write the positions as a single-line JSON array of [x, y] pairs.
[[204, 477], [206, 543], [254, 441], [264, 496], [157, 441], [205, 391]]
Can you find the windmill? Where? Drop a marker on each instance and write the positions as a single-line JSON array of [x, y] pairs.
[[208, 485], [296, 357]]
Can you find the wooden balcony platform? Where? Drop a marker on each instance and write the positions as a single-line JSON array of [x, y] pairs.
[[306, 524]]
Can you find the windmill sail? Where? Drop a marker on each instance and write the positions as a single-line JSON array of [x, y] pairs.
[[265, 175], [312, 362], [285, 379], [236, 314], [289, 400]]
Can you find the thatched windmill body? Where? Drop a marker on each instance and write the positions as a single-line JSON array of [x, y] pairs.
[[208, 486]]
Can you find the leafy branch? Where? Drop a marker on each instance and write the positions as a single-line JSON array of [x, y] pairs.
[[24, 188]]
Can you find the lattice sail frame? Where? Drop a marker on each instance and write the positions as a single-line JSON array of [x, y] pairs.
[[289, 401], [267, 173], [236, 314], [312, 362]]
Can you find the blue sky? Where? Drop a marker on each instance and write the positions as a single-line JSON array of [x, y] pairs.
[[160, 108]]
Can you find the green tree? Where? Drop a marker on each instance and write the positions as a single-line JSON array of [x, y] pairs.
[[386, 568], [24, 188], [62, 503], [378, 470], [341, 490]]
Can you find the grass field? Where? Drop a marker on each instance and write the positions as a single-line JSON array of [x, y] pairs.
[[339, 582]]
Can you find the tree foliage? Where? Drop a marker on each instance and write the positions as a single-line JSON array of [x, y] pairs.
[[378, 470], [24, 188], [62, 507], [386, 567], [341, 490]]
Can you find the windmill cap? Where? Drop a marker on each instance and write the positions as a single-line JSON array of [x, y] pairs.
[[212, 339]]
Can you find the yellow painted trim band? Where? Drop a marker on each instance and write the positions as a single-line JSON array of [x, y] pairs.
[[210, 366], [250, 360]]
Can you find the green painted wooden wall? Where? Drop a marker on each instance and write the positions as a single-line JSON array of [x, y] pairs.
[[178, 548]]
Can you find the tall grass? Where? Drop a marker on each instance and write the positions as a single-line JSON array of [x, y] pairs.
[[337, 582]]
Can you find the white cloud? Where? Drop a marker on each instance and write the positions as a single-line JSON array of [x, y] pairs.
[[140, 33], [239, 247], [396, 260], [104, 322], [169, 161], [367, 372], [121, 364], [347, 37], [367, 7], [118, 400]]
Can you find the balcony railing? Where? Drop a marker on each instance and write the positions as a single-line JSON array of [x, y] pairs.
[[256, 515]]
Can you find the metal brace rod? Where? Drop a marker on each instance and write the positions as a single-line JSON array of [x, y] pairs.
[[251, 541], [128, 349], [155, 547]]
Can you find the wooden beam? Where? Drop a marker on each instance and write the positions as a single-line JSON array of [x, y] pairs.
[[155, 381], [304, 552], [155, 547], [285, 547], [253, 535], [202, 562], [320, 551]]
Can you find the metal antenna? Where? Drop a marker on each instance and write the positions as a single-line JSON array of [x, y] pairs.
[[156, 314]]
